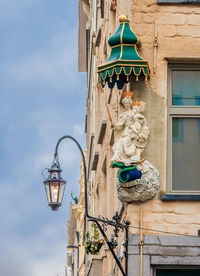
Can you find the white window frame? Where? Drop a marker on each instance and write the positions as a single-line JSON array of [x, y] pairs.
[[178, 112]]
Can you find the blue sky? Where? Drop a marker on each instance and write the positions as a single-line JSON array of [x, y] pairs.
[[42, 98]]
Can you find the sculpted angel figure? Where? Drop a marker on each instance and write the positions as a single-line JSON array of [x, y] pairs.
[[132, 132]]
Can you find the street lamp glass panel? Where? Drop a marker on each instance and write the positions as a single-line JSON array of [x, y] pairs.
[[46, 185], [62, 189]]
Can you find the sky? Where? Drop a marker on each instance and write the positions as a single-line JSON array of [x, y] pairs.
[[42, 97]]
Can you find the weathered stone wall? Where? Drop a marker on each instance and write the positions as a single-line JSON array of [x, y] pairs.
[[176, 217], [162, 251]]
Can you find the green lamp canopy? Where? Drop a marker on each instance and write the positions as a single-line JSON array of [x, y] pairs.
[[124, 61]]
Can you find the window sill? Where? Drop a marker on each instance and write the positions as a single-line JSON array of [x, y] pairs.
[[170, 197]]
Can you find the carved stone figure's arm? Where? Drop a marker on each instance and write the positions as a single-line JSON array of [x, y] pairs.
[[121, 122]]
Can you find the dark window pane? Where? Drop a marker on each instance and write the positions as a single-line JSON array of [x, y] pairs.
[[177, 272], [186, 154], [186, 88], [178, 1], [177, 131], [102, 8]]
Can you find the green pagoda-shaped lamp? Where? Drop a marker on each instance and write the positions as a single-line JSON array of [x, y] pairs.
[[124, 61]]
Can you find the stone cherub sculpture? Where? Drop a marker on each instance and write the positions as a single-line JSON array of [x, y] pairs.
[[137, 178]]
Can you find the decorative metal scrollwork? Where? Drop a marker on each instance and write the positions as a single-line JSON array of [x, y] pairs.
[[102, 223], [116, 217], [113, 242], [115, 222]]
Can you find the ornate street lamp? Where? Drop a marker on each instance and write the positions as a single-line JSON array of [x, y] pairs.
[[55, 186]]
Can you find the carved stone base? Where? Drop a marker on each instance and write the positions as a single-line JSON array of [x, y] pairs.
[[141, 189]]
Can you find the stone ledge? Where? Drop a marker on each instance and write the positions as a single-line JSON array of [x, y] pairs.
[[165, 240], [179, 241], [159, 260], [151, 239], [171, 251]]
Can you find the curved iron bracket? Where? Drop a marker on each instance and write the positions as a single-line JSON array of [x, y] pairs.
[[116, 218]]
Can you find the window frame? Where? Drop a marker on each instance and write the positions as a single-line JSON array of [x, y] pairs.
[[178, 112]]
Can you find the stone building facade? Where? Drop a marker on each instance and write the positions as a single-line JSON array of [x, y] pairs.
[[168, 243], [75, 233]]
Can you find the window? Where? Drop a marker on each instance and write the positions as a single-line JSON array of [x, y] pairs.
[[184, 129], [178, 1], [102, 8], [177, 272]]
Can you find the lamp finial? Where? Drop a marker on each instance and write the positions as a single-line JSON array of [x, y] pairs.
[[122, 18]]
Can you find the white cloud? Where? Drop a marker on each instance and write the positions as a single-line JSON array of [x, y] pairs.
[[67, 155], [55, 65], [78, 129], [14, 9], [41, 257]]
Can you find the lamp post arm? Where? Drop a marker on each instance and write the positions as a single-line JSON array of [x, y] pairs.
[[84, 165], [85, 182]]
